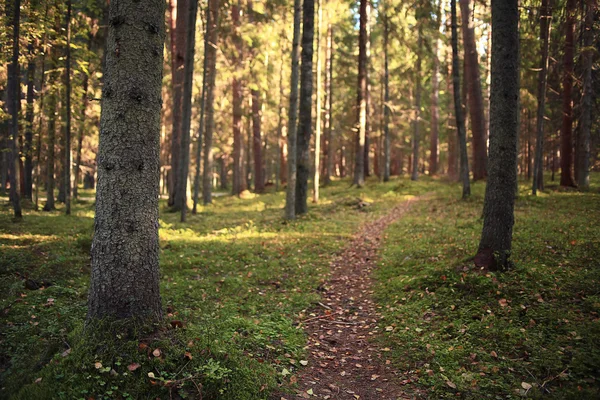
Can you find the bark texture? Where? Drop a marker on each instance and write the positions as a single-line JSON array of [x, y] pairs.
[[319, 107], [239, 183], [259, 179], [435, 95], [498, 210], [458, 110], [186, 117], [417, 110], [328, 129], [545, 24], [386, 97], [290, 197], [566, 137], [583, 142], [305, 108], [213, 6], [125, 251], [67, 170], [13, 110], [475, 96], [361, 100]]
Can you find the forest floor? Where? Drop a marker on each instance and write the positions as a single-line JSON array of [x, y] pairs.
[[255, 305]]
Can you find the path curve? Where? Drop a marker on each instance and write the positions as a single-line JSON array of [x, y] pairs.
[[343, 361]]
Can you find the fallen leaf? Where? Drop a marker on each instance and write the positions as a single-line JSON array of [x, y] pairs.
[[451, 384], [389, 328], [373, 377], [188, 355], [66, 352], [285, 372], [310, 391], [494, 354], [156, 353], [98, 365], [503, 302], [525, 385], [151, 375], [304, 362], [38, 380], [133, 367]]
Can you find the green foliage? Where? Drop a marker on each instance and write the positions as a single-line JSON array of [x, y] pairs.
[[529, 332], [235, 279]]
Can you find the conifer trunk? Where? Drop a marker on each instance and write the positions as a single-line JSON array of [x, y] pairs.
[[328, 130], [13, 100], [67, 169], [498, 210], [259, 180], [28, 145], [125, 250], [361, 100], [319, 107], [417, 110]]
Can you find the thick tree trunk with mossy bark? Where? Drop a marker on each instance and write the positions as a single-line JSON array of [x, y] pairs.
[[125, 251], [305, 109], [498, 209]]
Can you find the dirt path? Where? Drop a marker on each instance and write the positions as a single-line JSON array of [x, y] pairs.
[[343, 363]]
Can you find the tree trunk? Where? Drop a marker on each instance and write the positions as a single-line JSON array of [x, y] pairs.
[[279, 149], [435, 95], [367, 146], [305, 109], [67, 169], [417, 111], [498, 210], [125, 250], [451, 128], [84, 105], [475, 97], [460, 119], [52, 103], [566, 137], [328, 145], [186, 117], [290, 199], [179, 17], [42, 90], [202, 113], [237, 91], [13, 110], [386, 103], [545, 26], [361, 100], [28, 148], [211, 54], [583, 142], [319, 107], [259, 180]]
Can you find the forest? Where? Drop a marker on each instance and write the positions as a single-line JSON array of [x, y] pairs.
[[276, 199]]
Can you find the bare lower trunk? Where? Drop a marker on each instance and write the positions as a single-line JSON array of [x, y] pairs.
[[210, 96], [328, 130], [67, 169], [305, 107], [386, 98], [259, 180], [545, 26], [13, 110], [319, 107], [435, 88], [475, 97], [417, 110], [125, 250], [566, 137], [290, 200], [460, 119], [498, 211], [361, 101]]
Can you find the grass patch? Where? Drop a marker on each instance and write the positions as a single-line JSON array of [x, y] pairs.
[[531, 332], [236, 276]]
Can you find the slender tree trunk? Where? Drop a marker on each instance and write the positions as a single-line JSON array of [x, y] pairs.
[[279, 149], [566, 137], [451, 128], [386, 103], [13, 109], [361, 101], [305, 108], [237, 91], [545, 26], [179, 16], [328, 145], [67, 169], [417, 112], [290, 199], [498, 210], [319, 107], [38, 149], [435, 89], [460, 119], [202, 113], [259, 179], [367, 147], [52, 103], [125, 250], [213, 6], [28, 148], [475, 97], [84, 105], [583, 161], [186, 115], [249, 140]]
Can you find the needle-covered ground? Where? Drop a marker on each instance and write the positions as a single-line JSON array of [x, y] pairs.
[[239, 283]]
